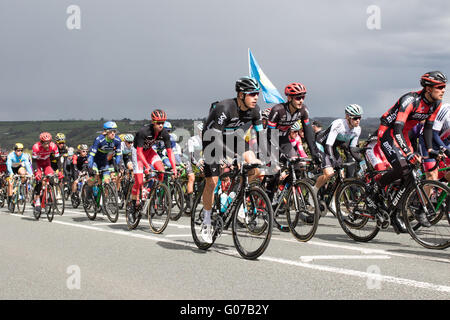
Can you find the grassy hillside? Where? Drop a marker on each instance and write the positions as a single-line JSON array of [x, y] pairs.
[[76, 131], [80, 131]]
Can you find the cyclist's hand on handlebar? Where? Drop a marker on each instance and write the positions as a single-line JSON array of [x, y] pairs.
[[414, 158]]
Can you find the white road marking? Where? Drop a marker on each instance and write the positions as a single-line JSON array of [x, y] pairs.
[[344, 257], [347, 272]]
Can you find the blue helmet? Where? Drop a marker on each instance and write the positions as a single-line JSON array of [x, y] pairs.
[[167, 126], [110, 125]]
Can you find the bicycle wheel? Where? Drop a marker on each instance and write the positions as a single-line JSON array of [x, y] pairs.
[[352, 212], [433, 199], [128, 207], [2, 197], [110, 202], [50, 203], [252, 223], [178, 196], [159, 208], [303, 211], [60, 200], [88, 203], [22, 199], [198, 196]]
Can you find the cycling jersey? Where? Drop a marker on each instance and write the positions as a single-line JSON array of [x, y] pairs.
[[42, 154], [63, 152], [226, 117], [409, 110], [441, 126], [282, 119], [104, 150], [338, 134], [81, 163], [14, 162]]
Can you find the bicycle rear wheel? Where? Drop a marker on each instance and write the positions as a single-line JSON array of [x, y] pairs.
[[110, 202], [159, 208], [433, 199], [352, 212], [252, 223], [303, 211]]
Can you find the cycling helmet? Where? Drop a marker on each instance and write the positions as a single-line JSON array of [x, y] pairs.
[[70, 151], [296, 126], [110, 125], [294, 88], [247, 85], [353, 110], [45, 137], [18, 145], [128, 137], [82, 147], [200, 126], [433, 78], [265, 113], [167, 126], [159, 115], [60, 137]]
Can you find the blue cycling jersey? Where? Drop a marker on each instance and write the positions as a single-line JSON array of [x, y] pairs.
[[104, 150], [14, 161]]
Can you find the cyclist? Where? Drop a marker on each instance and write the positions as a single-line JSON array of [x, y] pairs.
[[105, 148], [146, 156], [281, 118], [395, 124], [80, 161], [224, 118], [127, 147], [341, 133], [296, 140], [60, 139], [17, 163], [42, 150], [194, 145], [441, 141], [3, 168]]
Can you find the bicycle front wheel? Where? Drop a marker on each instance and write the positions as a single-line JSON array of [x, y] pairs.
[[89, 205], [60, 201], [431, 198], [303, 211], [178, 196], [22, 199], [110, 201], [50, 203], [352, 212], [159, 208], [252, 223]]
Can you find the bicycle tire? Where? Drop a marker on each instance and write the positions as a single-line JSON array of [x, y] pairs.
[[424, 235], [357, 219], [128, 203], [303, 193], [60, 200], [50, 203], [110, 202], [260, 213], [157, 219], [88, 204], [178, 193], [21, 201]]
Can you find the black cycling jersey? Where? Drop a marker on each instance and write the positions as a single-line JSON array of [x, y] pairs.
[[146, 138], [282, 119]]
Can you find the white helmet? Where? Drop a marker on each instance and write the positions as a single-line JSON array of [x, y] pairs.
[[353, 110]]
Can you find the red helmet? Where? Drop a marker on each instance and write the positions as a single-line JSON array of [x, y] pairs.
[[294, 89], [45, 136], [159, 115]]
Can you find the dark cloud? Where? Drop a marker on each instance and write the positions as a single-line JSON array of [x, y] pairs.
[[131, 56]]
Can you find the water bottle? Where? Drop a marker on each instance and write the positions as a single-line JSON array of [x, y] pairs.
[[223, 202], [95, 190]]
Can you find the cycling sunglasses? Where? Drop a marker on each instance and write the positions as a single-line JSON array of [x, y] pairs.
[[442, 86], [355, 118], [298, 98]]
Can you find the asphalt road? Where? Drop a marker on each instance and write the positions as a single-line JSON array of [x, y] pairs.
[[75, 258]]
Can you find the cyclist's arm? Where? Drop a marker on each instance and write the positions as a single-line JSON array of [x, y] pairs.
[[310, 137], [9, 164], [28, 165], [405, 109]]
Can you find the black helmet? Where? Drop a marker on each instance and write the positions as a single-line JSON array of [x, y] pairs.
[[247, 85], [433, 78]]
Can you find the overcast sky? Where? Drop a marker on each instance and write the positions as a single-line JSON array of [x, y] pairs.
[[131, 56]]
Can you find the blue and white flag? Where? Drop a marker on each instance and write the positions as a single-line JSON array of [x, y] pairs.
[[270, 93]]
